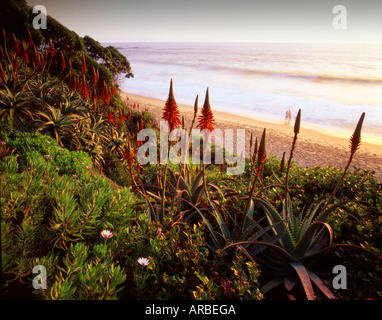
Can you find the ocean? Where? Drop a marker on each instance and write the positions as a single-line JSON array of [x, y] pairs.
[[332, 84]]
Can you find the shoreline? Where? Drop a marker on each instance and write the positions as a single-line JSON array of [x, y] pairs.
[[313, 148]]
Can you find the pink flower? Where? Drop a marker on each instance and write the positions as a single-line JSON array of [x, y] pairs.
[[106, 234], [143, 262], [48, 157]]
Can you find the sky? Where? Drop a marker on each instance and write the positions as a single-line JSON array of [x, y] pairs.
[[303, 21]]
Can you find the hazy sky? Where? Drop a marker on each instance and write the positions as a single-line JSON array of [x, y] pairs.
[[218, 20]]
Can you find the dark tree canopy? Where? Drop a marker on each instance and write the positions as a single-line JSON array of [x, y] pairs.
[[109, 56], [16, 18]]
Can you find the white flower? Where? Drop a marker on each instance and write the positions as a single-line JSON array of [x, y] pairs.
[[106, 234], [57, 169], [143, 262]]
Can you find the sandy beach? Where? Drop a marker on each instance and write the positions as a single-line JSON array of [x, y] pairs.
[[313, 148]]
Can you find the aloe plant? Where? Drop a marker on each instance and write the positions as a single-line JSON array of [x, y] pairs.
[[301, 237], [58, 125], [15, 105]]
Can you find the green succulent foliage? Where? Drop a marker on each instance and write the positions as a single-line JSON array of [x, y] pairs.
[[45, 212], [118, 143], [88, 273], [30, 146], [15, 106], [179, 267]]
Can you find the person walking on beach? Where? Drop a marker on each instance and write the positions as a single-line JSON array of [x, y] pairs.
[[287, 117]]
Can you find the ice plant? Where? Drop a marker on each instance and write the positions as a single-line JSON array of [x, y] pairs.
[[171, 113], [143, 262], [106, 234], [206, 119]]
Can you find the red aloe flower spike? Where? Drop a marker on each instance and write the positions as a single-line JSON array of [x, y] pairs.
[[171, 113], [84, 66], [2, 55], [106, 94], [85, 88], [127, 154], [24, 52], [95, 96], [63, 63], [116, 121], [30, 40], [94, 77], [75, 85], [110, 117], [16, 47], [5, 37], [113, 89], [206, 119], [51, 48], [2, 73], [15, 65]]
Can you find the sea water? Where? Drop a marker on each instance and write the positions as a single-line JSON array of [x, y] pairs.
[[332, 84]]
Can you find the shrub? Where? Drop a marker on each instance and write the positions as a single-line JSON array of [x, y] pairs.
[[32, 145]]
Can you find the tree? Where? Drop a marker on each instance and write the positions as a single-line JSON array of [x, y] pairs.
[[16, 18], [109, 57]]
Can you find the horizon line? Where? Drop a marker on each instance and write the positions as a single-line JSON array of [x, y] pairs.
[[249, 42]]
